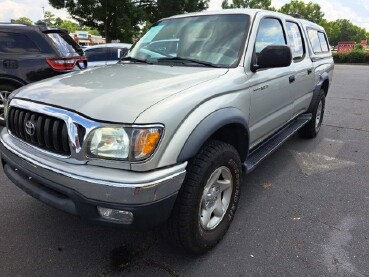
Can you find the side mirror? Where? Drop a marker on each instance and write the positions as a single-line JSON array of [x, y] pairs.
[[273, 56], [122, 53]]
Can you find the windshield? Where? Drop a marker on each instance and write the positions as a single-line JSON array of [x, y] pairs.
[[215, 39]]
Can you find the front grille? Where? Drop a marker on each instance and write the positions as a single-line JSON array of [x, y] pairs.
[[41, 130]]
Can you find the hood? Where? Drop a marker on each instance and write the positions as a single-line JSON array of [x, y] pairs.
[[117, 93]]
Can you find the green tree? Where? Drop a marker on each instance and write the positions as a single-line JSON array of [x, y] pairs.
[[22, 20], [121, 19], [310, 11], [252, 4], [70, 26], [158, 9], [49, 18], [348, 31]]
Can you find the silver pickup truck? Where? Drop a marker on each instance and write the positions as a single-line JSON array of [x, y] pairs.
[[163, 137]]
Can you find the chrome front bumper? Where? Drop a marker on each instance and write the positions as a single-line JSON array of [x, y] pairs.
[[108, 185]]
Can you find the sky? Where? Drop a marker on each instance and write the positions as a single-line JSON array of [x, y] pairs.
[[357, 11]]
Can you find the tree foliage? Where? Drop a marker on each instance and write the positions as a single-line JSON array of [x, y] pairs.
[[121, 19], [310, 11], [21, 20], [252, 4], [51, 20], [347, 32], [158, 9]]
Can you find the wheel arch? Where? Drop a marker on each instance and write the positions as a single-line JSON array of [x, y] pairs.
[[228, 125], [8, 80], [322, 84]]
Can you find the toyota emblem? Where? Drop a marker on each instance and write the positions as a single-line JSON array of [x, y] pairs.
[[30, 128]]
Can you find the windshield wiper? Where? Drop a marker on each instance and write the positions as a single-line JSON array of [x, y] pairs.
[[186, 60], [135, 60]]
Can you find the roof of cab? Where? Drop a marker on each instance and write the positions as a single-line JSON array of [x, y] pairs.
[[307, 23], [251, 12]]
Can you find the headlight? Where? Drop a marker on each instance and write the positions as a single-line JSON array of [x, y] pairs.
[[133, 144]]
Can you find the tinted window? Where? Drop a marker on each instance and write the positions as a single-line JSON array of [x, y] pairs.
[[295, 40], [314, 39], [65, 44], [113, 54], [270, 33], [97, 54], [323, 42], [16, 44]]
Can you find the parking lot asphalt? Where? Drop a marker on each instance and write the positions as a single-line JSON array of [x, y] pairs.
[[303, 212]]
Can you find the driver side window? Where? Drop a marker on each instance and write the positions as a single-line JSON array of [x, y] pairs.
[[270, 32]]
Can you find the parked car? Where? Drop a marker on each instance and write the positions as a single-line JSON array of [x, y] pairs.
[[163, 140], [105, 54], [29, 53]]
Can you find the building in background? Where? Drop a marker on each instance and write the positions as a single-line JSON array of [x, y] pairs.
[[346, 46], [84, 38]]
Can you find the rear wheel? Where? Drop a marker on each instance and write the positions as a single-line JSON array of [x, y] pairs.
[[311, 129], [208, 199], [5, 91]]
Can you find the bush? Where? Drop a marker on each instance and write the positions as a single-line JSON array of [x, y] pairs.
[[356, 56]]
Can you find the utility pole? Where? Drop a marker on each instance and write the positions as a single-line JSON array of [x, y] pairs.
[[43, 11]]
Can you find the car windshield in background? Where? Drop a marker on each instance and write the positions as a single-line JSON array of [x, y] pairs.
[[65, 44], [213, 39]]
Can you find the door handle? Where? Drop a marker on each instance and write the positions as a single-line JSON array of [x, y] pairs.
[[310, 71], [292, 79]]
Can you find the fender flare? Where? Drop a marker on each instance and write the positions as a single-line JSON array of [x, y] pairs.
[[208, 126], [324, 77]]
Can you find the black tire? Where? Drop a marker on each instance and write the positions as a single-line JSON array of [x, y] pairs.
[[311, 129], [185, 225], [5, 91]]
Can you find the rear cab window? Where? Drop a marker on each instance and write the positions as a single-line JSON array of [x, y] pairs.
[[318, 41]]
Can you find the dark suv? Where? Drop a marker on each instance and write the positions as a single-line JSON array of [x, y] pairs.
[[29, 53]]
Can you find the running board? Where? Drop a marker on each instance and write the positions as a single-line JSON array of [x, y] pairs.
[[272, 143]]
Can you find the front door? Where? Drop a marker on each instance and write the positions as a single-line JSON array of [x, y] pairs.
[[271, 96]]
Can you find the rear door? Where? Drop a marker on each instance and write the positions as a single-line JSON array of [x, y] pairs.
[[302, 87], [20, 57]]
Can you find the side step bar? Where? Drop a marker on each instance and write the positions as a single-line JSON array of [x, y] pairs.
[[272, 143]]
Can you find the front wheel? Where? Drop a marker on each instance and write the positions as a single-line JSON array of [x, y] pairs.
[[208, 198]]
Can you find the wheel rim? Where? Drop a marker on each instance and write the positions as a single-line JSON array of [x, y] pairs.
[[3, 98], [319, 114], [216, 198]]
